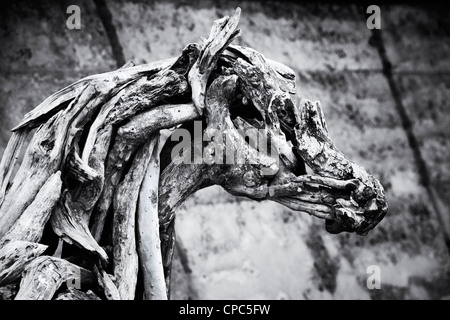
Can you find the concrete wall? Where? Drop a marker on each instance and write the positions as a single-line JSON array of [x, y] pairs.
[[393, 123]]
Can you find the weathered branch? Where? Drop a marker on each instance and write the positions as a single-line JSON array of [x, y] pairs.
[[40, 162], [125, 262], [30, 225], [56, 102], [222, 33], [107, 284], [14, 257], [285, 75], [44, 275], [9, 159], [148, 239]]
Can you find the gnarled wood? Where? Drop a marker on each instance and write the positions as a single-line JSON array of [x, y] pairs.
[[9, 159], [125, 264], [30, 226], [222, 33], [106, 283], [44, 275], [142, 96], [71, 218], [14, 257], [129, 137]]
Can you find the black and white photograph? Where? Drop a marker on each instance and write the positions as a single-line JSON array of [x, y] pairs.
[[235, 152]]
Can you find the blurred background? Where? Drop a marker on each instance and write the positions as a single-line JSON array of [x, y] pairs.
[[385, 96]]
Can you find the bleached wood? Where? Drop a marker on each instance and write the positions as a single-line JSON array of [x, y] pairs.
[[125, 257], [14, 257], [9, 159], [30, 225], [105, 282], [223, 31], [148, 238], [44, 275], [53, 103]]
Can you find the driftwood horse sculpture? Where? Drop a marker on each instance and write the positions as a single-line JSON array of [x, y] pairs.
[[113, 156]]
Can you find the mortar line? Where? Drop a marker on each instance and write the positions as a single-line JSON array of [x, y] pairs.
[[376, 40], [105, 16]]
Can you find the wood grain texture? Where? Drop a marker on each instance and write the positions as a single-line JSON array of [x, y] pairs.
[[44, 275], [148, 238], [30, 225], [14, 257], [125, 263]]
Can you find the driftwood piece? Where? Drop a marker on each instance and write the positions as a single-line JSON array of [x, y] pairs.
[[168, 239], [148, 238], [177, 182], [71, 218], [40, 162], [30, 225], [14, 257], [222, 33], [69, 223], [44, 275], [234, 52], [74, 294], [142, 126], [107, 284], [166, 84], [125, 264], [79, 170], [9, 159]]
